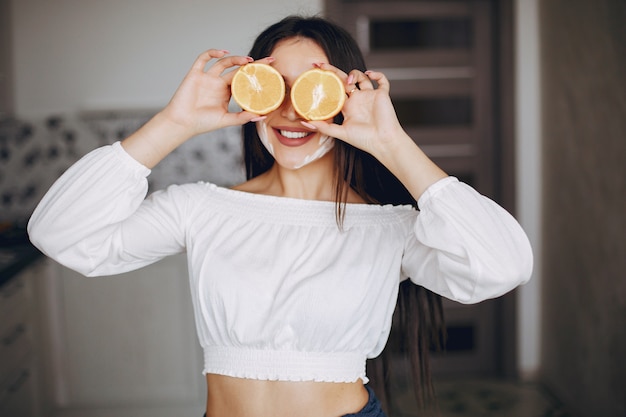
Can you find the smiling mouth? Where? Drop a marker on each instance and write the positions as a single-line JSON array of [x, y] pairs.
[[293, 135], [293, 138]]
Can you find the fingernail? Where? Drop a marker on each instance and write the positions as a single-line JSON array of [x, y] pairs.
[[225, 51], [271, 59], [368, 72], [350, 79], [249, 58], [308, 125], [258, 119]]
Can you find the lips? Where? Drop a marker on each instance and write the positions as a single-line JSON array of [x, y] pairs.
[[292, 137]]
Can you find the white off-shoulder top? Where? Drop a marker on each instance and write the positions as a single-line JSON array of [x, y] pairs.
[[279, 291]]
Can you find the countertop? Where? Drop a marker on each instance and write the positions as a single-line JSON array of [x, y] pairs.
[[16, 252]]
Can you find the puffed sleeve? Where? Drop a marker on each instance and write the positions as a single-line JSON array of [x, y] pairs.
[[465, 247], [95, 218]]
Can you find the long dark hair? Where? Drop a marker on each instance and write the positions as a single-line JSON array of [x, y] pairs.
[[419, 312]]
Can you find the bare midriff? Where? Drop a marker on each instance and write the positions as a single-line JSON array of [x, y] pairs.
[[238, 397]]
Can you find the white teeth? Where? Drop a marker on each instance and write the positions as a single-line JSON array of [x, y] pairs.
[[293, 135]]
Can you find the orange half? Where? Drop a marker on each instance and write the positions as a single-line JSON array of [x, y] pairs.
[[258, 88], [318, 94]]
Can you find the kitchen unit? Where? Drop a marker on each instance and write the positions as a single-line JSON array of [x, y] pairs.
[[20, 264], [70, 346]]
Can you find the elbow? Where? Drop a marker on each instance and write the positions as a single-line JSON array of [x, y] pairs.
[[483, 279], [518, 273], [40, 238], [502, 278], [521, 264], [50, 244], [506, 270]]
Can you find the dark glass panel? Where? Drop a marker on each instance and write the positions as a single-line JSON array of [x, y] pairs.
[[451, 33], [434, 112], [460, 338]]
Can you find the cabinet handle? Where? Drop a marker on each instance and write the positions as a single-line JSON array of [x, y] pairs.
[[19, 382], [15, 334]]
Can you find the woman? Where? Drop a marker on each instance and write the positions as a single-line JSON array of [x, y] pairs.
[[295, 273]]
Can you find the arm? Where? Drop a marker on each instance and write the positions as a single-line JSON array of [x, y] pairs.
[[94, 218], [370, 123], [464, 246]]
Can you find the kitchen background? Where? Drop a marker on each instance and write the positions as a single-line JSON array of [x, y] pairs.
[[79, 74], [34, 153]]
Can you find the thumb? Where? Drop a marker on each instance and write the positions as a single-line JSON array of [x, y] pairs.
[[241, 118], [330, 129]]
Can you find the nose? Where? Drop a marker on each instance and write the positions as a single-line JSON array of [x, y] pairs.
[[287, 110]]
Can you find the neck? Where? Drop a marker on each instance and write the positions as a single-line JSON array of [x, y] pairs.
[[314, 181], [311, 182]]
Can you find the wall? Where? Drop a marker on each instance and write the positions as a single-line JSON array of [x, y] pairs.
[[6, 70], [91, 54], [528, 178], [90, 72], [584, 235]]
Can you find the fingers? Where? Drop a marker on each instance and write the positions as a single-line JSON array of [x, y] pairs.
[[331, 129], [204, 58], [379, 78], [359, 80], [228, 77], [223, 62], [241, 118], [227, 62]]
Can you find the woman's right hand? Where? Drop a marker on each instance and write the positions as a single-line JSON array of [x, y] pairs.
[[200, 103]]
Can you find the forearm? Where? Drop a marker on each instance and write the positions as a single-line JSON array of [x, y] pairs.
[[410, 165], [199, 105]]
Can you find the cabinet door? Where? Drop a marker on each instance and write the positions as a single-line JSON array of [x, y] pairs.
[[124, 342], [438, 58], [441, 60], [18, 376], [17, 397]]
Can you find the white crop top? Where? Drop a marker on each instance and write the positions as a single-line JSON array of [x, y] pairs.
[[279, 291]]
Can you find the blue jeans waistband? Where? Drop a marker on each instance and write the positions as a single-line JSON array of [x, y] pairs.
[[373, 407]]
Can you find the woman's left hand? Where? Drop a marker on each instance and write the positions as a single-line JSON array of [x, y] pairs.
[[370, 124], [370, 121]]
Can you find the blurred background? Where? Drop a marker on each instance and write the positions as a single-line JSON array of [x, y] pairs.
[[523, 99]]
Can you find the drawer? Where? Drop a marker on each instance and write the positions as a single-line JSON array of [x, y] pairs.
[[13, 297], [17, 394], [15, 346]]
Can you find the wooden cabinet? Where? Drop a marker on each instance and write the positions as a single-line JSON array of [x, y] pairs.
[[448, 63], [6, 61], [19, 395], [123, 345], [438, 57]]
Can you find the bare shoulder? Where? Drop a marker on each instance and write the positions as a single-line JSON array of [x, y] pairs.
[[256, 185]]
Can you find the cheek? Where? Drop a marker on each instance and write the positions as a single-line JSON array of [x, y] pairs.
[[326, 144], [261, 128]]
